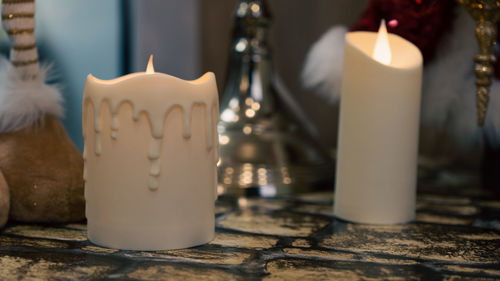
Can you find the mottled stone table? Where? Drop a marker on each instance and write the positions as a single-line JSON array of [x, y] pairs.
[[456, 236]]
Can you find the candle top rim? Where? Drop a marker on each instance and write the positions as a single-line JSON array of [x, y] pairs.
[[205, 78], [364, 41]]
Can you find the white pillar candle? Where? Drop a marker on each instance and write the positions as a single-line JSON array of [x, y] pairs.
[[378, 131], [150, 160]]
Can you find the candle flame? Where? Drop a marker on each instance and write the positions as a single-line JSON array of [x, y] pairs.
[[150, 69], [382, 50]]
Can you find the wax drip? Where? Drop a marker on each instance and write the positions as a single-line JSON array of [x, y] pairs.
[[84, 163], [154, 158], [153, 183], [84, 134], [155, 147], [215, 183], [84, 172], [208, 128], [215, 141], [187, 121], [98, 147], [155, 168], [97, 117], [215, 135], [97, 127], [114, 125], [157, 123]]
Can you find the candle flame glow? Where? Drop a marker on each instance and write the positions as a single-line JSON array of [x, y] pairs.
[[382, 50], [150, 69]]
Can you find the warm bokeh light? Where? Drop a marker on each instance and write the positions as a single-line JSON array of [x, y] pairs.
[[382, 50], [247, 129], [223, 139], [250, 113]]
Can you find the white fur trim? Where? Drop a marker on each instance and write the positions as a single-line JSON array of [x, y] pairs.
[[448, 97], [452, 72], [461, 122], [24, 102], [323, 65], [492, 121]]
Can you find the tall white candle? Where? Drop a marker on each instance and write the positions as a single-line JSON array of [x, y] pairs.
[[378, 132], [150, 160]]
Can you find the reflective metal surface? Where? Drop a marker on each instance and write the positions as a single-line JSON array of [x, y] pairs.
[[265, 149], [486, 14]]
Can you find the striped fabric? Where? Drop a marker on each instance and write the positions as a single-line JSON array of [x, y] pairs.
[[18, 20]]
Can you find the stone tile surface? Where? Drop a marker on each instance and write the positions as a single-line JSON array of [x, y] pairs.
[[244, 241], [421, 241], [199, 255], [35, 231], [297, 269], [277, 223], [456, 236], [52, 266], [174, 273]]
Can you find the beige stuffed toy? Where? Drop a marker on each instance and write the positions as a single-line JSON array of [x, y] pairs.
[[40, 168]]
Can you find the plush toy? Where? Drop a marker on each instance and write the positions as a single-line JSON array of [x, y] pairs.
[[444, 32], [40, 168]]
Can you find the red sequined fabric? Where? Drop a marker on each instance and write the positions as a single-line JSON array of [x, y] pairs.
[[422, 22]]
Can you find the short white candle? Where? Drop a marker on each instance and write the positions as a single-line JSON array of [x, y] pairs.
[[150, 160], [378, 131]]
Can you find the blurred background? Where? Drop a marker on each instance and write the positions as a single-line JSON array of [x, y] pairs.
[[188, 38]]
